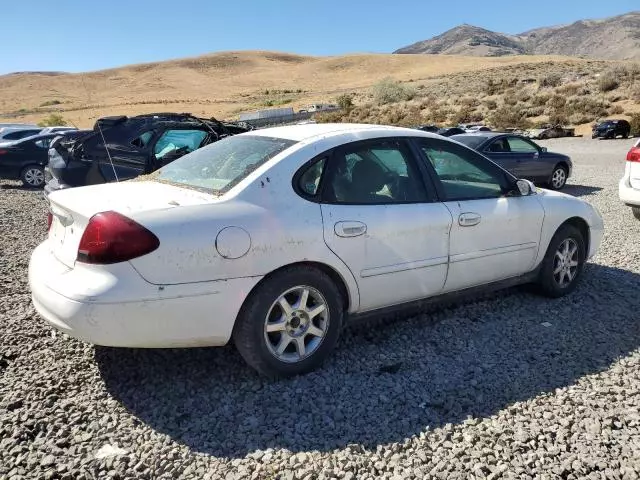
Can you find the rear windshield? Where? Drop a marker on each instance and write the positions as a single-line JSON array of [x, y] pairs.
[[218, 167], [471, 141]]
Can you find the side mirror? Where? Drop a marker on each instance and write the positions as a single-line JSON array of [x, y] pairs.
[[525, 187], [544, 149]]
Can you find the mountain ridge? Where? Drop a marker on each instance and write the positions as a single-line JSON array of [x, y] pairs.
[[613, 38]]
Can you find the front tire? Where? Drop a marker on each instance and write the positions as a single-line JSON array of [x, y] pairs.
[[32, 176], [563, 263], [558, 178], [290, 323]]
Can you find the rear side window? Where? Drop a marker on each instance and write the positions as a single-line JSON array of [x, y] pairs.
[[178, 141]]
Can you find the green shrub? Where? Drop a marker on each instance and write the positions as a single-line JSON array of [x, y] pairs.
[[551, 80], [466, 115], [389, 91], [587, 106], [491, 104], [635, 124], [580, 118], [616, 110], [52, 120], [508, 116], [50, 103], [556, 102], [608, 82], [345, 101], [540, 100]]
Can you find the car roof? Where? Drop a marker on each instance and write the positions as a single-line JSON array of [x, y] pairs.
[[300, 133]]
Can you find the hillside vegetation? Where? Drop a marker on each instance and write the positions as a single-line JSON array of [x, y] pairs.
[[420, 88]]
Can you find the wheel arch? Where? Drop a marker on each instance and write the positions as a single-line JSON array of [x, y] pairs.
[[582, 226], [347, 298]]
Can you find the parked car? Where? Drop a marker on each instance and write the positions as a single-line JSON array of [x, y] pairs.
[[11, 134], [134, 146], [275, 238], [629, 187], [25, 160], [548, 131], [472, 128], [611, 129], [522, 157], [57, 129], [450, 131], [428, 128]]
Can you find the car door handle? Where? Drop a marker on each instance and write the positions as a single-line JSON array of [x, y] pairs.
[[469, 219], [350, 229]]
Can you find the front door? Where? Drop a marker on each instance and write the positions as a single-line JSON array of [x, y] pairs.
[[382, 222], [494, 235], [528, 163]]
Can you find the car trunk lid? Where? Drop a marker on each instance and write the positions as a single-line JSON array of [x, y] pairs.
[[72, 209]]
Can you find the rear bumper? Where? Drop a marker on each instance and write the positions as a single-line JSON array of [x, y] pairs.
[[627, 194], [113, 306]]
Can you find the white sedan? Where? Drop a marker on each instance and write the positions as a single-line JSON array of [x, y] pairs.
[[275, 238], [629, 187]]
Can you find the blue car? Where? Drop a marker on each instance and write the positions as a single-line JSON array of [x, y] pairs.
[[522, 157]]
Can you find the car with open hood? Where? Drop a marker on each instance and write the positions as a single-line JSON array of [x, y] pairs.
[[121, 148]]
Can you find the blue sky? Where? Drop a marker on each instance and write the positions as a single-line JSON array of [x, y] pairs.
[[74, 36]]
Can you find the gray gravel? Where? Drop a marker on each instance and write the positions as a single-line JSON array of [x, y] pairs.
[[510, 386]]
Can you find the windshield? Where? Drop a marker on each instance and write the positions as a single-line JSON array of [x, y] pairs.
[[223, 164], [472, 141]]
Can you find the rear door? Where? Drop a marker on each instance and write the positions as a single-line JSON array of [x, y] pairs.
[[126, 156], [383, 222]]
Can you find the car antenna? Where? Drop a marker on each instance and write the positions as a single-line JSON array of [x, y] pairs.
[[107, 149], [100, 130]]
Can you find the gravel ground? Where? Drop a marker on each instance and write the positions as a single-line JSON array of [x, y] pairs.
[[510, 386]]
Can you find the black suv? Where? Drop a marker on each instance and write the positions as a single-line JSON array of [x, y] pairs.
[[611, 129], [121, 148]]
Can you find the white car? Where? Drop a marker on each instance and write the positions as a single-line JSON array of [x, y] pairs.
[[629, 187], [275, 238]]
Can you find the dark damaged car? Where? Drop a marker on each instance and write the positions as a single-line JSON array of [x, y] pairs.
[[122, 148]]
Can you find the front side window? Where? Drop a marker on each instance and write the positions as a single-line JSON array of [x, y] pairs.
[[463, 174], [179, 142], [518, 145], [143, 140], [499, 145], [44, 143], [374, 173], [219, 166]]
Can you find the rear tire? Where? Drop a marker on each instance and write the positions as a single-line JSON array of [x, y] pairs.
[[282, 331], [32, 176], [558, 178], [636, 212], [563, 263]]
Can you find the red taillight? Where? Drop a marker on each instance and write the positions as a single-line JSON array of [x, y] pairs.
[[111, 238], [634, 155], [2, 152], [49, 220]]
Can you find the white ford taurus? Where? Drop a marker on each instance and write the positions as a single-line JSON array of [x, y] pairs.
[[274, 238]]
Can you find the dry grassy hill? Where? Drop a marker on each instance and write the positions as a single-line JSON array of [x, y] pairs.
[[443, 88], [223, 84]]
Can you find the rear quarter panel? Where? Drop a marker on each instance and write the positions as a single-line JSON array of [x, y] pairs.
[[283, 228]]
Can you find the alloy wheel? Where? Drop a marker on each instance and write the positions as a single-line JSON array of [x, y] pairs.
[[296, 324], [565, 263], [558, 178], [34, 177]]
